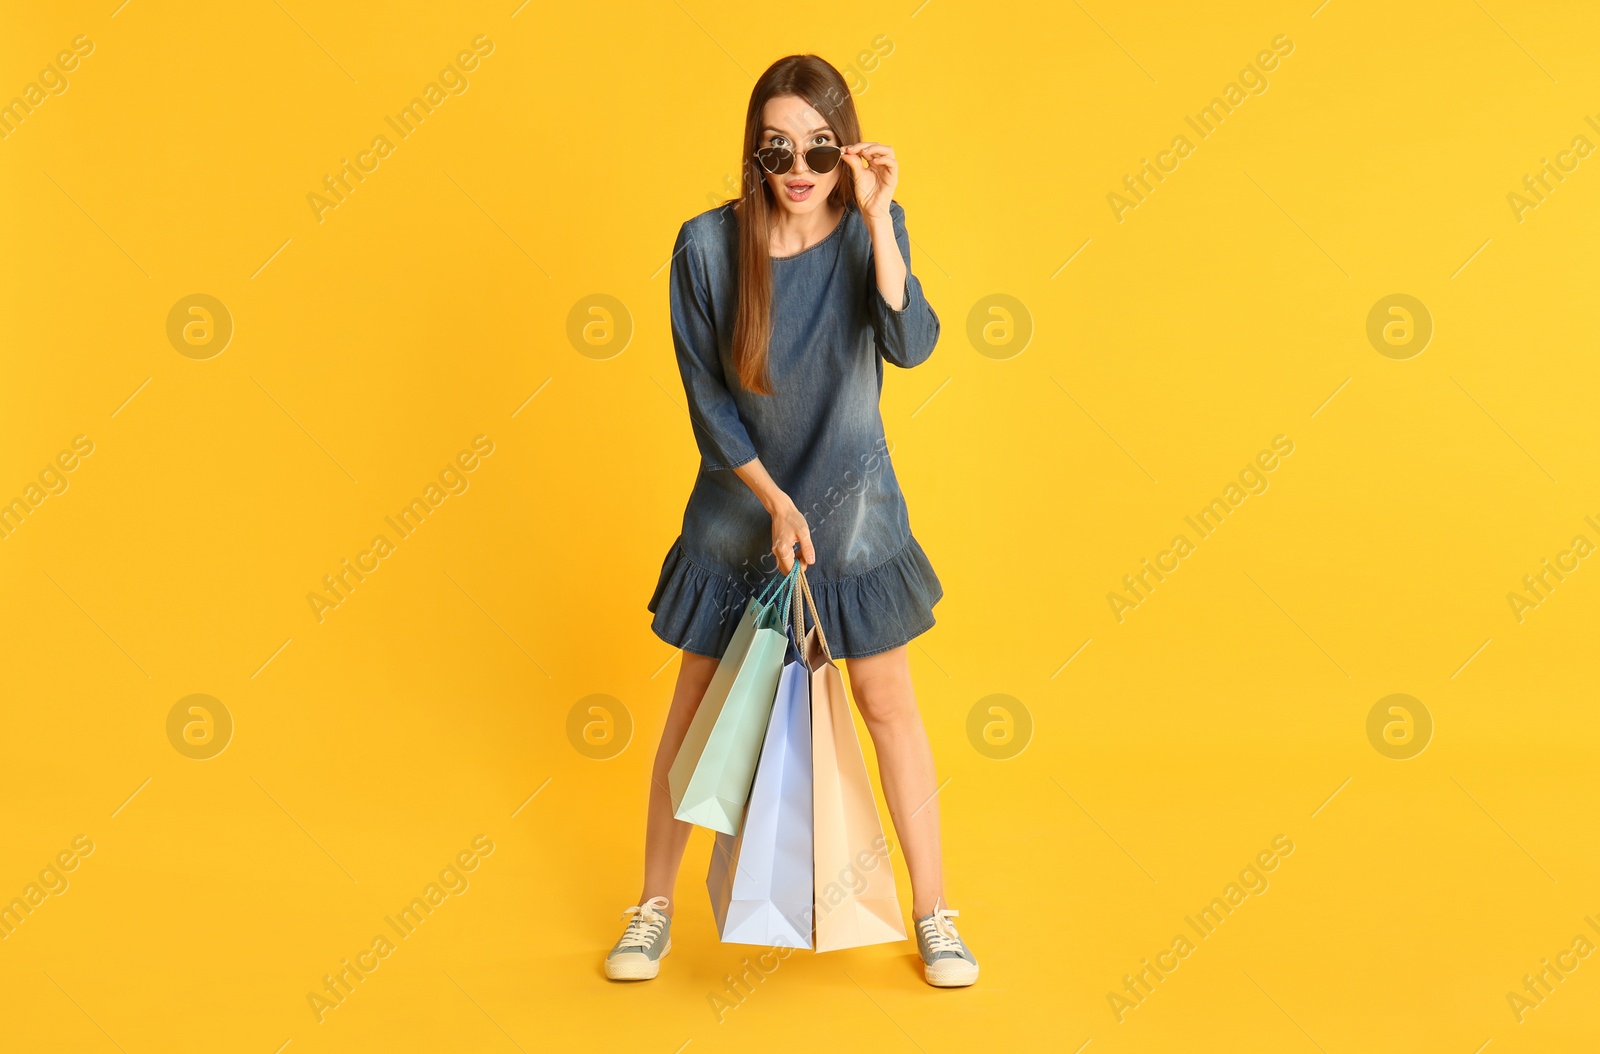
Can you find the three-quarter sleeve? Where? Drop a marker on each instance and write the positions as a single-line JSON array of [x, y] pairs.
[[905, 337], [720, 434]]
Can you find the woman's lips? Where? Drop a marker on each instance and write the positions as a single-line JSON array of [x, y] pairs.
[[797, 191]]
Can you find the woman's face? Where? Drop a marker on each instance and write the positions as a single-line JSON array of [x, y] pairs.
[[791, 122]]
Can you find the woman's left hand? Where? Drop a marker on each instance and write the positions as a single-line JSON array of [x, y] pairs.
[[876, 173]]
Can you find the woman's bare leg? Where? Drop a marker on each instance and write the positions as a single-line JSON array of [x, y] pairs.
[[666, 838], [882, 687]]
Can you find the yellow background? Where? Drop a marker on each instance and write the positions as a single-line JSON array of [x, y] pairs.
[[1228, 708]]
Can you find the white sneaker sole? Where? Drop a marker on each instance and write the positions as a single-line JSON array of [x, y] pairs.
[[640, 969], [950, 973]]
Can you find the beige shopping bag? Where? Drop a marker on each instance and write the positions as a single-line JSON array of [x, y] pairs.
[[854, 902]]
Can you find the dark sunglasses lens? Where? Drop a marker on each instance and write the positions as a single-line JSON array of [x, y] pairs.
[[823, 158], [776, 159]]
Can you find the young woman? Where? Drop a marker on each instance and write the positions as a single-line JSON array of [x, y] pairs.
[[785, 304]]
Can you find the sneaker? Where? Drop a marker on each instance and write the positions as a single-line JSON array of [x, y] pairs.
[[946, 962], [637, 956]]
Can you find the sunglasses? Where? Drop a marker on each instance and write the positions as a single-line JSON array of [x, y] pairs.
[[780, 159]]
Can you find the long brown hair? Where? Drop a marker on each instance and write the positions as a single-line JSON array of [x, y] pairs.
[[818, 83]]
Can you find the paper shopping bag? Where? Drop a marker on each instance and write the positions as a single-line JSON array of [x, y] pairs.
[[855, 902], [760, 881], [709, 781]]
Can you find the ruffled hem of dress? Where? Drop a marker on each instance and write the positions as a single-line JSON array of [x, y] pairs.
[[697, 609]]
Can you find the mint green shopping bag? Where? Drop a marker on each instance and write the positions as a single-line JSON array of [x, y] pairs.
[[710, 778]]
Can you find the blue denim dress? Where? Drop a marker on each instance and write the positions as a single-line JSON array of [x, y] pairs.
[[820, 436]]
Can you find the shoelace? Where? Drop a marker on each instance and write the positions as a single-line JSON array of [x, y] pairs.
[[940, 932], [646, 924]]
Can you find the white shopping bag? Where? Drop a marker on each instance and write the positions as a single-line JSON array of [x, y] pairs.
[[761, 881]]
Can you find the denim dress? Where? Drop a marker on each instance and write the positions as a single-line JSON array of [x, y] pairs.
[[820, 436]]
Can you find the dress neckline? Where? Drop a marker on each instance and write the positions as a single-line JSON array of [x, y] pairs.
[[837, 227]]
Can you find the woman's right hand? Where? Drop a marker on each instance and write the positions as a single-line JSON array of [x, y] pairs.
[[789, 528]]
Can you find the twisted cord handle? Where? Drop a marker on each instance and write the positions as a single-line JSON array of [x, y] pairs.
[[774, 589], [779, 604], [799, 618], [822, 638]]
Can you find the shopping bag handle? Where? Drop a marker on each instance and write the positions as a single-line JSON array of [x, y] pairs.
[[816, 619], [774, 612], [797, 621], [769, 592]]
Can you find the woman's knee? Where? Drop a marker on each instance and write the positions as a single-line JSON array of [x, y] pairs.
[[882, 687], [697, 670], [694, 677]]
